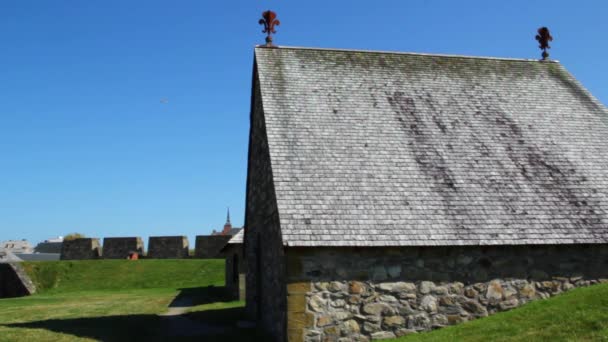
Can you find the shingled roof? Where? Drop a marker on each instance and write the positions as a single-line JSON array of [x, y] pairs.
[[400, 149], [238, 238]]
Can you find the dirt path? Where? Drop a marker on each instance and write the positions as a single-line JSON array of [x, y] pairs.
[[175, 323]]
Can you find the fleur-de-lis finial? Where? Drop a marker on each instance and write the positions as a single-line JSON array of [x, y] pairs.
[[544, 37], [269, 20]]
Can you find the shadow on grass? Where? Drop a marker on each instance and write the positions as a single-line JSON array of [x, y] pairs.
[[215, 325], [110, 328], [210, 325], [200, 295]]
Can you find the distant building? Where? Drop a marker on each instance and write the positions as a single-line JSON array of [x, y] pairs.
[[228, 229], [17, 246], [57, 239], [50, 246]]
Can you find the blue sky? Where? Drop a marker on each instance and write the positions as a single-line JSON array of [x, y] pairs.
[[130, 118]]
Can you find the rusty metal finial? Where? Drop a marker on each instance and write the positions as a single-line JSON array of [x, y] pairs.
[[544, 37], [269, 20]]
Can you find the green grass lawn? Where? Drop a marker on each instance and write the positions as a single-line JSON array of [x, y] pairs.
[[83, 316], [578, 315], [116, 300], [85, 275], [119, 300]]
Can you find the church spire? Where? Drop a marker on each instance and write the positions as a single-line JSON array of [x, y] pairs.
[[228, 216]]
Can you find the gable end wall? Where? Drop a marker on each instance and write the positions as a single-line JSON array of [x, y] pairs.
[[266, 292]]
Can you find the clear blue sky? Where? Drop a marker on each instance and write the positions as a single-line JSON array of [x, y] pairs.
[[87, 143]]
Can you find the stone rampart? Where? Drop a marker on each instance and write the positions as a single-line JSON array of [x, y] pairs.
[[210, 246], [80, 249], [168, 247], [121, 247]]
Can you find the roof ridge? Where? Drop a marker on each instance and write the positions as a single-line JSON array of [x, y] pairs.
[[410, 53]]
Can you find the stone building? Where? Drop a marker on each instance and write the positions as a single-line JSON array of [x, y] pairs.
[[17, 246], [214, 246], [390, 193], [228, 228], [50, 246]]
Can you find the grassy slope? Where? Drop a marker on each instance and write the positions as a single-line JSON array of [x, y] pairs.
[[101, 299], [86, 275], [578, 315]]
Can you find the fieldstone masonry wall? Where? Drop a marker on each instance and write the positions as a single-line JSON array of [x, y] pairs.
[[358, 295], [120, 247], [80, 249], [168, 247]]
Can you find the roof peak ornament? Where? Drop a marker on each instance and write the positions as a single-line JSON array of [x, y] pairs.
[[544, 37], [269, 20]]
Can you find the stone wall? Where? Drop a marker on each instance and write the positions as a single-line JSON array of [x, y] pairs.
[[387, 292], [266, 288], [210, 246], [236, 270], [120, 247], [168, 247], [80, 249], [14, 282]]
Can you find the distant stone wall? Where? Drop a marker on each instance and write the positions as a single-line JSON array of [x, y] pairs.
[[80, 249], [373, 293], [120, 247], [168, 247], [14, 282], [210, 246]]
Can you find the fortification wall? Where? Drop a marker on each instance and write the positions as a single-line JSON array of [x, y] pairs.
[[80, 249], [120, 247], [210, 246], [168, 247]]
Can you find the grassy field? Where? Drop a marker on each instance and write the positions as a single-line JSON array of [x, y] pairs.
[[118, 300], [86, 275], [578, 315]]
